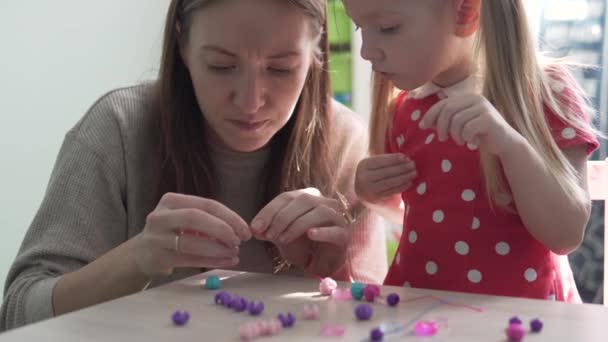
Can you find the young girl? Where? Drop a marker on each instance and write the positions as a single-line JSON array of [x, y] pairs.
[[486, 145]]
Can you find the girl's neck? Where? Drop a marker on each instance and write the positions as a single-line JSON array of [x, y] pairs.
[[458, 72]]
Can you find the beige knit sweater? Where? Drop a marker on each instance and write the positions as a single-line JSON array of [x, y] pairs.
[[102, 188]]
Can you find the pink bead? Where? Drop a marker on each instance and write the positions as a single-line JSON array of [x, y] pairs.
[[274, 326], [370, 292], [311, 312], [264, 328], [341, 294], [332, 330], [327, 286], [426, 328], [515, 332], [249, 331]]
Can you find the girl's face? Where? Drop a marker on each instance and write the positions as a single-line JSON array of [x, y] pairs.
[[412, 42], [248, 61]]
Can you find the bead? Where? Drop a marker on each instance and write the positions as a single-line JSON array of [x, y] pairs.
[[255, 308], [356, 290], [287, 321], [363, 312], [327, 286], [226, 299], [376, 334], [515, 320], [515, 332], [180, 317], [370, 292], [213, 283], [392, 299], [311, 312], [220, 297], [426, 328], [274, 327], [536, 325], [239, 304], [332, 330], [249, 331]]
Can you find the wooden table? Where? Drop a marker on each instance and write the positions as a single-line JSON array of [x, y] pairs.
[[146, 316]]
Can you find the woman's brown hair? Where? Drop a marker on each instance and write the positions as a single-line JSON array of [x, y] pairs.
[[299, 151]]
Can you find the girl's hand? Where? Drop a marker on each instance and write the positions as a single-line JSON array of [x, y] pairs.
[[471, 119]]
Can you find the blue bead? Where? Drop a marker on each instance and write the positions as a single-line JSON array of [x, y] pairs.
[[356, 290], [213, 283]]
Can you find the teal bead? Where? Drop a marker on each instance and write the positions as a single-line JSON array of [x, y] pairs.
[[356, 290], [213, 283]]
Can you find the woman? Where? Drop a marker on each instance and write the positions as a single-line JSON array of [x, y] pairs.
[[235, 157]]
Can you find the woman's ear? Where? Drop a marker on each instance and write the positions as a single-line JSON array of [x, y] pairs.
[[467, 17]]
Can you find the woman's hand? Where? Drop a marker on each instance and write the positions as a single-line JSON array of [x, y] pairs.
[[302, 223], [189, 231]]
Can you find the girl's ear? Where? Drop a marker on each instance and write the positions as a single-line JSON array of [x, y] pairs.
[[467, 17]]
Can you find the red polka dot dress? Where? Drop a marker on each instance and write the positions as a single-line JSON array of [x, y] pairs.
[[452, 238]]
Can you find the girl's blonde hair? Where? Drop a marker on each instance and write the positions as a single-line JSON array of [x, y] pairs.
[[517, 81]]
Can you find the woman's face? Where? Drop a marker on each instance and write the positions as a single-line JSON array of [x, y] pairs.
[[248, 61]]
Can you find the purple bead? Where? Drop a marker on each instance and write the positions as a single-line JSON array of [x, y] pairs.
[[240, 304], [219, 296], [376, 334], [255, 308], [393, 299], [226, 300], [536, 325], [287, 321], [180, 318], [515, 320], [363, 312]]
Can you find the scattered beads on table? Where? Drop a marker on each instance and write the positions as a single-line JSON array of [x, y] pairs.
[[376, 334], [363, 312], [332, 330], [327, 286], [239, 304], [311, 312], [213, 283], [393, 299], [288, 320], [252, 330], [356, 290], [426, 328], [515, 320], [371, 292], [180, 318], [536, 325], [515, 332], [255, 308]]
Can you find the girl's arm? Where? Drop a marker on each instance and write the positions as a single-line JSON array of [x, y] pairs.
[[548, 213]]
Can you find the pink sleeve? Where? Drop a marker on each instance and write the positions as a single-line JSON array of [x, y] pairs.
[[366, 256], [564, 134]]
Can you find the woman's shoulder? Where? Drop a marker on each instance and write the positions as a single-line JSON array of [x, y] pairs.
[[348, 127], [115, 116]]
